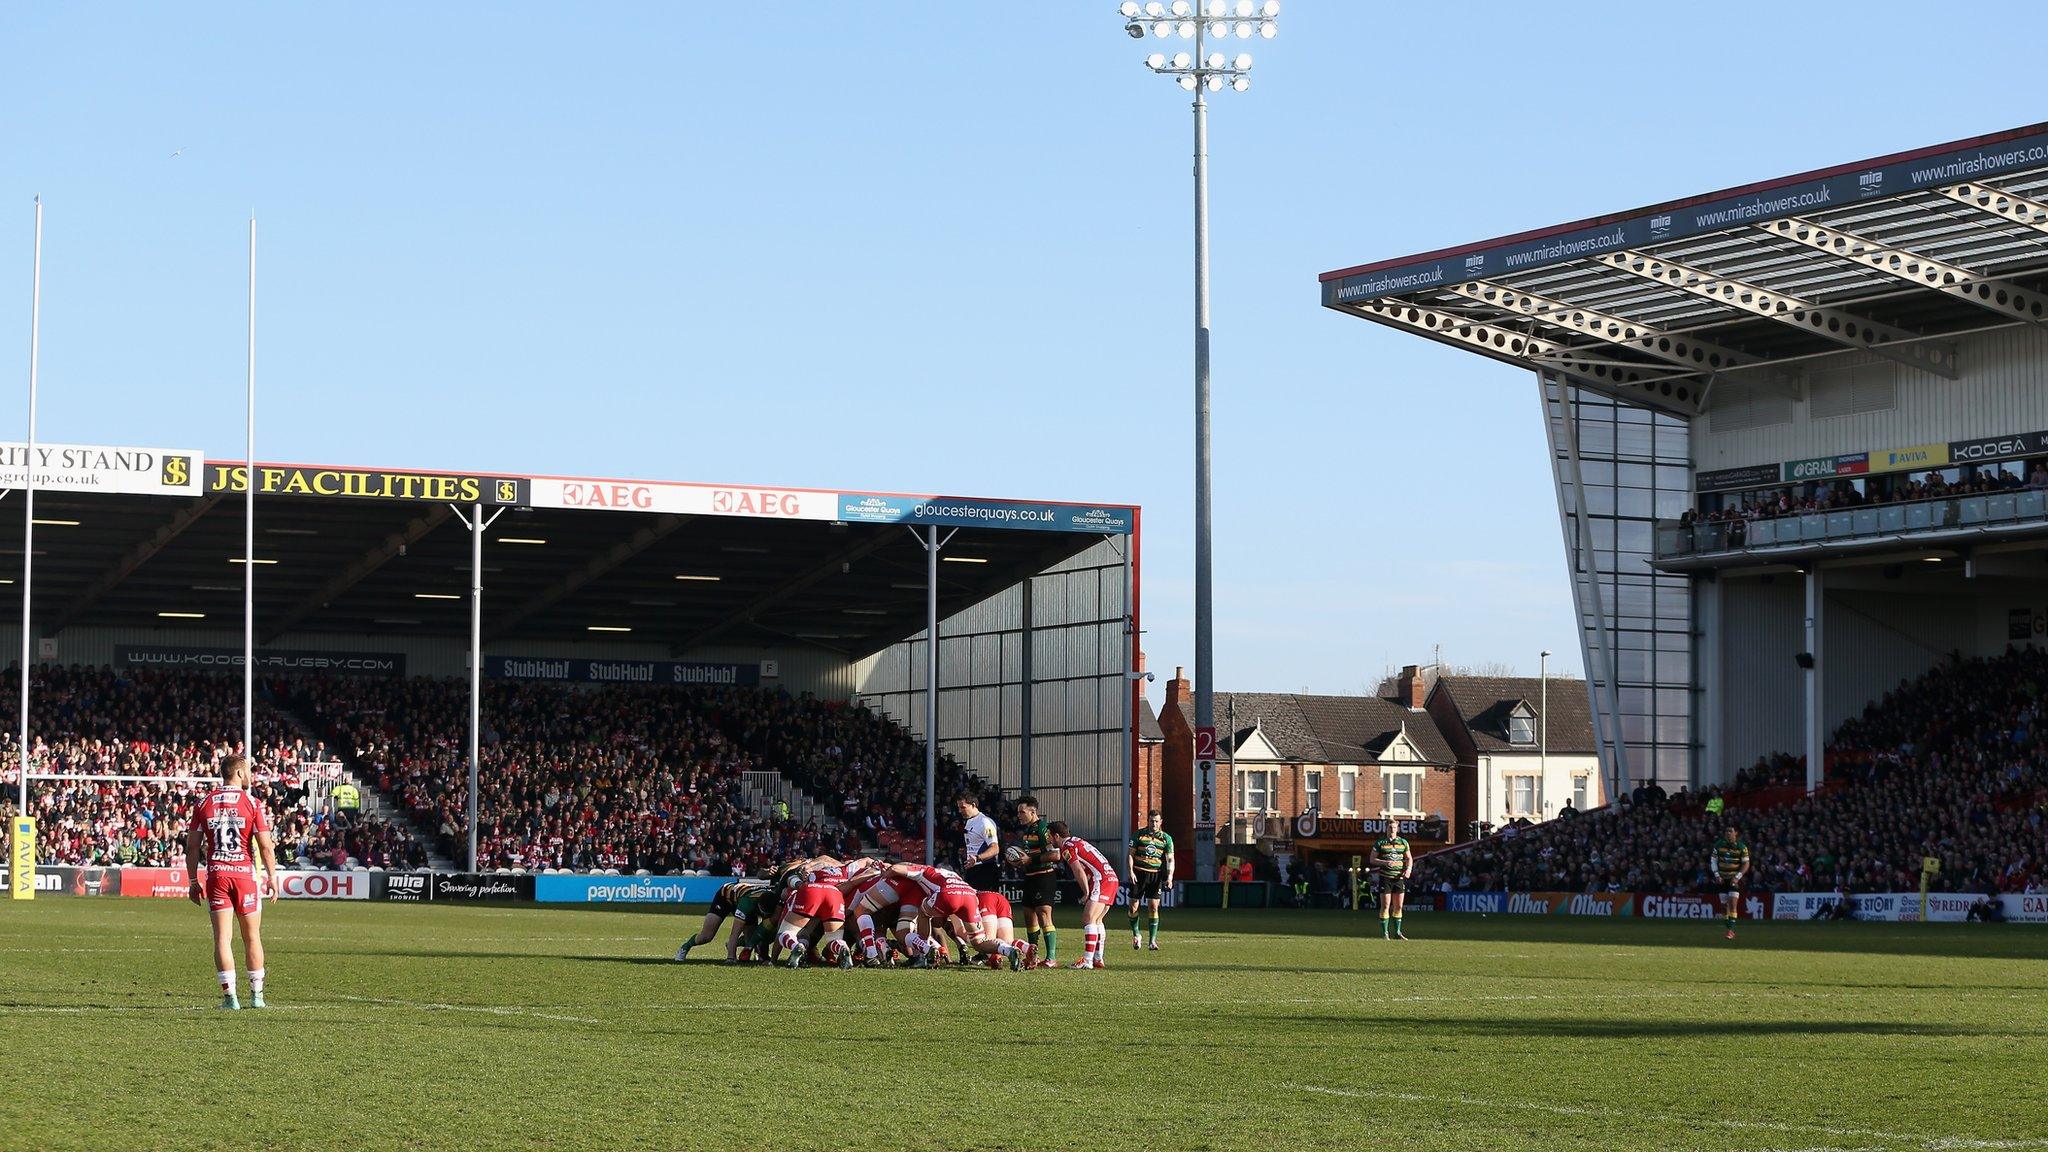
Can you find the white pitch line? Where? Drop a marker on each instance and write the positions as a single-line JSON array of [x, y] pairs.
[[487, 1009], [86, 1009], [1933, 1143]]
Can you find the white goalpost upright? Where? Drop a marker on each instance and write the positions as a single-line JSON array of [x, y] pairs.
[[249, 532], [22, 828]]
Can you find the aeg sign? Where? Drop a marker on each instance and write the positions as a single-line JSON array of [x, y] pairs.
[[686, 499]]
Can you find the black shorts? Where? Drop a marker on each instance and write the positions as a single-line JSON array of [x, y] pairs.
[[1390, 885], [1145, 885], [986, 876], [1042, 890], [722, 905]]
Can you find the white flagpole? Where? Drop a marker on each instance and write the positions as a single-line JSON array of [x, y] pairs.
[[249, 534], [28, 524]]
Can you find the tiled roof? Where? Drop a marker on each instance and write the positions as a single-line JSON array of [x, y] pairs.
[[1325, 729], [1485, 701]]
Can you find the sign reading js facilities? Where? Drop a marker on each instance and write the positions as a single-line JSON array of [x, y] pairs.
[[619, 671], [368, 484]]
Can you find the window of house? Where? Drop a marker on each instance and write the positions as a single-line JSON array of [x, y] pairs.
[[1312, 789], [1582, 790], [1525, 796], [1404, 792], [1347, 790], [1255, 790], [1521, 729]]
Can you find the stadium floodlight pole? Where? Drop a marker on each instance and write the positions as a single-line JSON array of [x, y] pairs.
[[1543, 714], [932, 542], [28, 485], [249, 533], [1198, 73], [476, 524]]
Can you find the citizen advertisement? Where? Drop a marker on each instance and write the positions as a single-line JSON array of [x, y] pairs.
[[88, 468], [369, 484], [1611, 240], [1656, 907], [481, 886], [579, 671], [334, 662]]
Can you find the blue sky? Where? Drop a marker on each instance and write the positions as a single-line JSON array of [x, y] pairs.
[[910, 247]]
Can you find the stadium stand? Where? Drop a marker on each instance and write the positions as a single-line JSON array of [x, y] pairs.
[[1832, 495], [626, 778], [1953, 764], [103, 722]]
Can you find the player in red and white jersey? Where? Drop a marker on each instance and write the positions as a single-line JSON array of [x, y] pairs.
[[995, 919], [1097, 878], [227, 832], [812, 902]]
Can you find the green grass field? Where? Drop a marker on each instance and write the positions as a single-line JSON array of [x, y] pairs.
[[473, 1027]]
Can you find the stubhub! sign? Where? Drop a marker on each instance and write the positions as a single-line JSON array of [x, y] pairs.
[[626, 889]]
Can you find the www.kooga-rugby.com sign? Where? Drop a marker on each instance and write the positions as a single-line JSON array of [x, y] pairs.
[[92, 468], [325, 662]]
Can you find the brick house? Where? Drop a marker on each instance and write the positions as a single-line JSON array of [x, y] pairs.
[[1354, 760], [1512, 763]]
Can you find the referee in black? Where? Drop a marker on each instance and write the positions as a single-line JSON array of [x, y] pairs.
[[981, 860]]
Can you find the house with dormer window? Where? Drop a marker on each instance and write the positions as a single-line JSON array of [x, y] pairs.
[[1513, 763]]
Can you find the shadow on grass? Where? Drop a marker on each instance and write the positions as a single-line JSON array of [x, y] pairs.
[[1602, 1029]]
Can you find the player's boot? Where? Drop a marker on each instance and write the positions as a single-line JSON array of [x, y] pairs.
[[683, 953], [845, 959], [256, 1000], [1400, 935], [1084, 962], [229, 1003], [1024, 956], [1134, 941], [796, 958], [1731, 933]]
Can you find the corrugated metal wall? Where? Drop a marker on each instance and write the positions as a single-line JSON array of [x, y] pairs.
[[1870, 642], [1075, 634], [2003, 389]]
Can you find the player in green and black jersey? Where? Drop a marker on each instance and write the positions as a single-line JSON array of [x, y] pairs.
[[1150, 861], [740, 902], [1040, 867], [1393, 863], [1731, 864]]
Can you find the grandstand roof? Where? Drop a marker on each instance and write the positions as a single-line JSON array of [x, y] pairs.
[[1894, 256], [365, 550]]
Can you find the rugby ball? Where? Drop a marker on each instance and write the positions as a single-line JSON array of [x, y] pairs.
[[1013, 854]]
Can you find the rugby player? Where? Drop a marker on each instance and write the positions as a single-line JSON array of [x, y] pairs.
[[995, 919], [1041, 882], [981, 847], [1097, 878], [740, 902], [1150, 860], [226, 824], [955, 907], [1394, 863], [813, 903], [1731, 863]]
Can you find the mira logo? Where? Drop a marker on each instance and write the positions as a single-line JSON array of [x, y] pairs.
[[1476, 262], [1660, 225], [1870, 183]]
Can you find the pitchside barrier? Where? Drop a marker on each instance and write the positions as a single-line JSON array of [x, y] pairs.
[[568, 888]]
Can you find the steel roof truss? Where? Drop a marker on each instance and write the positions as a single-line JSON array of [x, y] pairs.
[[1914, 268], [1846, 328], [1997, 201]]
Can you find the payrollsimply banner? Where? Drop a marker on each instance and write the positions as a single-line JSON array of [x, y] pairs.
[[565, 889]]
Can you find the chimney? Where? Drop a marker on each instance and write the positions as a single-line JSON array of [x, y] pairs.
[[1177, 689], [1410, 690]]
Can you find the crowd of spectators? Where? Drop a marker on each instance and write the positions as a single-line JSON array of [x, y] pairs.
[[1835, 495], [107, 722], [1953, 765], [625, 778]]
